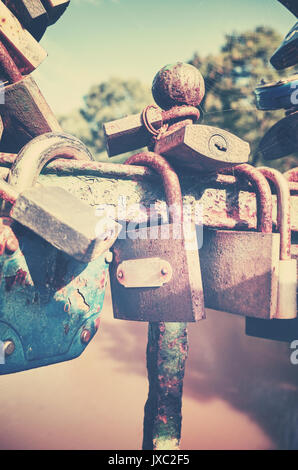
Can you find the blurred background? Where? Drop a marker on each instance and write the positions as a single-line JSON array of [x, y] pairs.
[[239, 392]]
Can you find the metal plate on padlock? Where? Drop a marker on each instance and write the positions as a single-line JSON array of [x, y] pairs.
[[144, 272], [240, 272], [204, 148], [180, 299]]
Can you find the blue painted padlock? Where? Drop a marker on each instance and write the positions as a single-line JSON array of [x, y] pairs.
[[49, 302]]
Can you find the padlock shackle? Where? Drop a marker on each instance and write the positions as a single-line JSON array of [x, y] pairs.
[[8, 65], [283, 209], [170, 181], [39, 151], [291, 175], [263, 194]]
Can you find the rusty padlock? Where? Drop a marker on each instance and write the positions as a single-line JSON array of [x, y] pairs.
[[170, 130], [240, 268], [155, 272], [25, 112], [285, 325]]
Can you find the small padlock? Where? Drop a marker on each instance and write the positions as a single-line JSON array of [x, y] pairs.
[[285, 325], [240, 268], [26, 52], [287, 279], [31, 14], [203, 148], [53, 213], [155, 273], [26, 113]]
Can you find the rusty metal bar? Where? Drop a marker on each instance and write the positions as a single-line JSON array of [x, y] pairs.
[[167, 352]]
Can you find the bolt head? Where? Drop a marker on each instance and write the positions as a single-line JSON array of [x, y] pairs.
[[178, 84], [85, 336], [9, 347]]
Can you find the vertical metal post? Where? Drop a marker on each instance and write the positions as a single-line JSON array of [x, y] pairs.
[[167, 352]]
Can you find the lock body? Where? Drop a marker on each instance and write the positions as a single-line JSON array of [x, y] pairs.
[[49, 304], [240, 272], [240, 268], [155, 274], [164, 285]]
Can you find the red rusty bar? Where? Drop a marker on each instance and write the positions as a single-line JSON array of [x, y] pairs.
[[170, 179], [9, 67], [263, 194]]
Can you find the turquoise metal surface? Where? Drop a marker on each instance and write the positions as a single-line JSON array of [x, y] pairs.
[[47, 299]]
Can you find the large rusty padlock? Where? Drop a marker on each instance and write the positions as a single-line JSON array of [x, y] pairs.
[[155, 273], [25, 112], [240, 268], [285, 325], [49, 302]]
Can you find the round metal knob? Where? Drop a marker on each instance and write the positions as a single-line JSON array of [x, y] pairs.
[[178, 84]]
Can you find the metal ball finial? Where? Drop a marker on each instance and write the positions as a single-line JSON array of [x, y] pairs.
[[178, 84]]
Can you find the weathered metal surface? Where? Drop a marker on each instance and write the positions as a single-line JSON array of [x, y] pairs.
[[162, 303], [178, 84], [204, 148], [144, 272], [57, 216], [240, 269], [167, 352], [31, 14], [47, 300], [24, 49], [228, 201]]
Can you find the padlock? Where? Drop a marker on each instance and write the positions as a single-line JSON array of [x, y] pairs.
[[277, 95], [25, 112], [203, 148], [240, 268], [285, 325], [155, 273], [287, 53], [26, 52], [179, 89], [53, 213], [55, 8], [31, 14]]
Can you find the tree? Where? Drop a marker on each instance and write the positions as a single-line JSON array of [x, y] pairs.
[[105, 102], [230, 79]]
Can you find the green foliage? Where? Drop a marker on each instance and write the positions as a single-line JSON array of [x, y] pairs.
[[105, 102], [231, 77]]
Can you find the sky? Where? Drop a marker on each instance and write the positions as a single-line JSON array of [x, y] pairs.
[[98, 39]]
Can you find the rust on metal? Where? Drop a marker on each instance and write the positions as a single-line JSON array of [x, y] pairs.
[[263, 195], [283, 209], [170, 180], [8, 65], [178, 84]]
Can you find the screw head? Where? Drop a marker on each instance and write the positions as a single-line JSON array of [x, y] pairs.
[[178, 84], [120, 274], [9, 347], [85, 336]]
